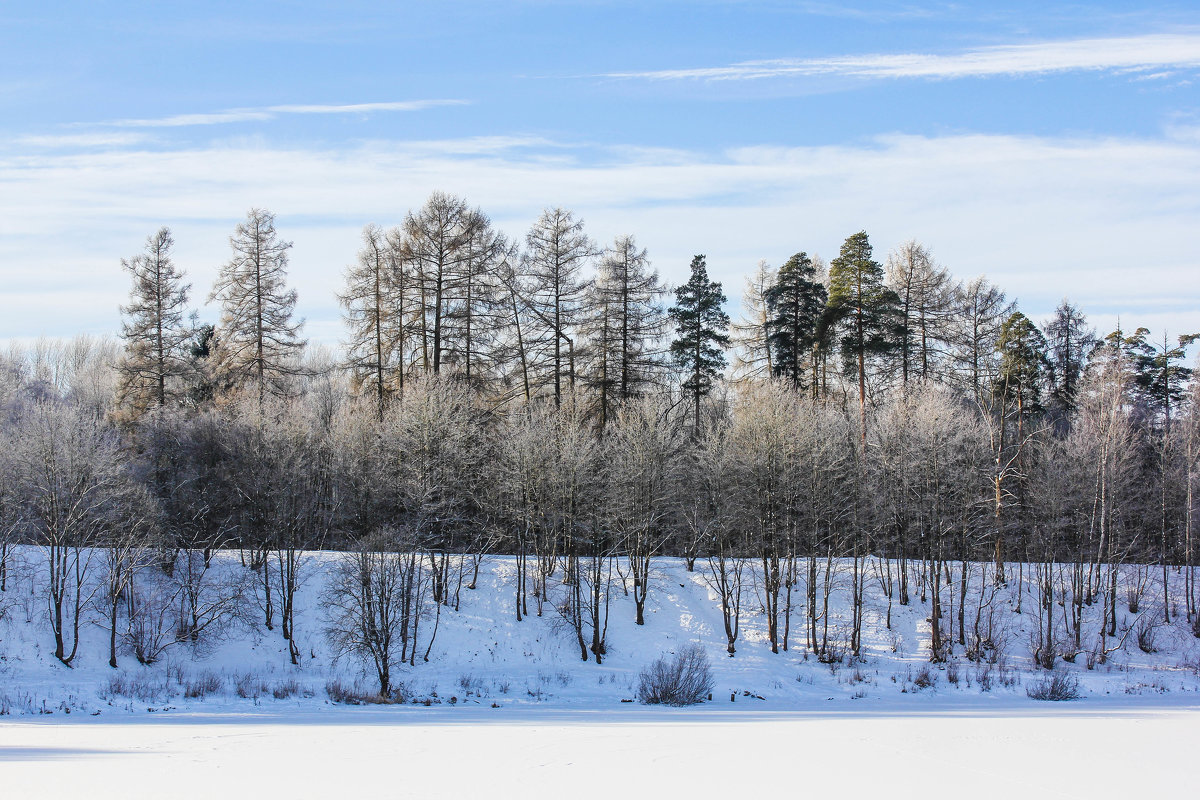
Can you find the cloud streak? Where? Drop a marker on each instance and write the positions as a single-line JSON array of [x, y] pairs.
[[1135, 54], [234, 115], [1106, 221]]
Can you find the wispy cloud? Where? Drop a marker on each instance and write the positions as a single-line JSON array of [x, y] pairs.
[[1116, 54], [81, 141], [270, 112], [1045, 217]]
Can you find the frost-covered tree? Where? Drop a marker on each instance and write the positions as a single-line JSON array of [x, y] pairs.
[[156, 340], [556, 251], [623, 322], [258, 344]]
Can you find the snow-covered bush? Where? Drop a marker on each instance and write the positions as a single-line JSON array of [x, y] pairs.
[[682, 681]]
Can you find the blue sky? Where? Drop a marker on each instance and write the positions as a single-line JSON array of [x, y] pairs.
[[1054, 147]]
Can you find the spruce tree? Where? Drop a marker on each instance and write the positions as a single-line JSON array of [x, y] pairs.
[[794, 304], [1069, 343], [700, 330], [153, 330]]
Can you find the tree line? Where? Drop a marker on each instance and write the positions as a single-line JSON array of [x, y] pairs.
[[540, 399]]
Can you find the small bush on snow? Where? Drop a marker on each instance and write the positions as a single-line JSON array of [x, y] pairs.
[[682, 681], [1057, 686], [250, 686], [208, 683]]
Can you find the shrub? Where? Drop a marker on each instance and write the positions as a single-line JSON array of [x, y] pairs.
[[285, 689], [356, 696], [208, 683], [682, 681], [925, 679], [1146, 629], [137, 686], [250, 686], [1057, 686]]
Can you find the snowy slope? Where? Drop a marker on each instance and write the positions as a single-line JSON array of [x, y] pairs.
[[484, 658]]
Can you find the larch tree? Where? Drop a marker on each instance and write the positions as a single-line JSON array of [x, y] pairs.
[[979, 309], [437, 238], [478, 306], [700, 333], [556, 250], [625, 321], [752, 354], [924, 291], [257, 339], [156, 339], [371, 315]]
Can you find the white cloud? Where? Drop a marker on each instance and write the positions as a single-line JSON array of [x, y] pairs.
[[1120, 54], [81, 140], [270, 112], [1108, 222]]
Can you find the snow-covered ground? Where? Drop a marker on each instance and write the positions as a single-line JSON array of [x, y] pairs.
[[1046, 751], [507, 708]]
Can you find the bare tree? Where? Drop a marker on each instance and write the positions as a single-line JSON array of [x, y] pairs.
[[624, 323], [257, 340], [153, 327], [372, 313], [556, 250], [72, 473], [752, 351], [639, 467], [925, 291], [374, 602]]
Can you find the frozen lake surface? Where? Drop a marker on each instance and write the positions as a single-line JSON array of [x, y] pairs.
[[1083, 749]]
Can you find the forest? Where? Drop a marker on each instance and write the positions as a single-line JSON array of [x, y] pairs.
[[865, 420]]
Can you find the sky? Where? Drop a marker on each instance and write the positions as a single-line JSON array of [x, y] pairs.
[[1053, 147]]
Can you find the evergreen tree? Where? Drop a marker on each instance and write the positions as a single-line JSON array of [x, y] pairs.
[[155, 336], [794, 303], [1161, 381], [256, 341], [700, 330], [1023, 362], [864, 309], [1069, 343]]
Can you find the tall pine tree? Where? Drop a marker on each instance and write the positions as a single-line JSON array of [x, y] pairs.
[[795, 303], [700, 330], [864, 309]]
